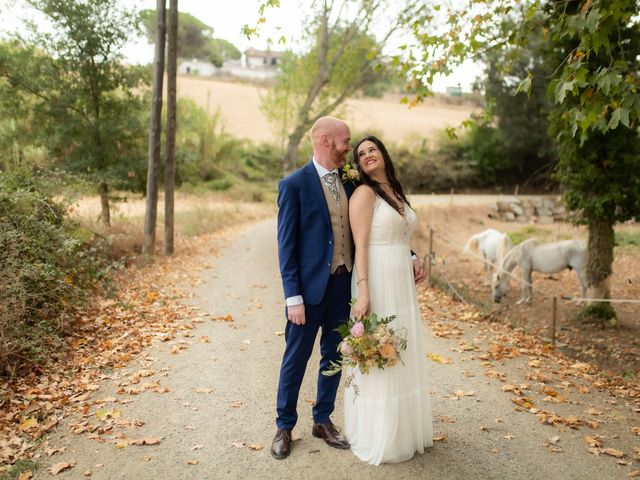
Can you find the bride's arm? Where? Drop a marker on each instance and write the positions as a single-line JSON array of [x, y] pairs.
[[360, 214]]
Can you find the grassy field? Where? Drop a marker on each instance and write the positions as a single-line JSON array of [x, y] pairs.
[[239, 106]]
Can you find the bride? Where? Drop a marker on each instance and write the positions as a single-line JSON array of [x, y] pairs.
[[389, 418]]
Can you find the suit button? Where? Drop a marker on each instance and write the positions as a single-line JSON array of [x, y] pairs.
[[329, 265], [330, 242]]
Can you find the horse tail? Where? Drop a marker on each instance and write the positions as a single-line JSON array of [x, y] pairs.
[[472, 246]]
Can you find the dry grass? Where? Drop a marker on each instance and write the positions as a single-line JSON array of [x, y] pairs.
[[239, 106], [195, 215]]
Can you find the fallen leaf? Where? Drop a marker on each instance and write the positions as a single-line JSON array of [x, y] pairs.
[[613, 452], [61, 467], [484, 429], [26, 475], [523, 402], [146, 458], [145, 441], [549, 391], [636, 430], [28, 423], [534, 363], [495, 374], [197, 447], [235, 404], [511, 388], [279, 333], [595, 441], [193, 462], [238, 444], [634, 474], [204, 339], [447, 419], [440, 438], [554, 440], [438, 358], [255, 446], [87, 473], [462, 393], [103, 414], [203, 390], [509, 436], [593, 411], [52, 451]]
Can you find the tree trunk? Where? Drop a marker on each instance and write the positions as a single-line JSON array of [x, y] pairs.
[[105, 214], [170, 165], [155, 122], [291, 157], [600, 254]]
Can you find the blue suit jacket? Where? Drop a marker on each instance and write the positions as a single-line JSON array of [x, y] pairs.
[[305, 237]]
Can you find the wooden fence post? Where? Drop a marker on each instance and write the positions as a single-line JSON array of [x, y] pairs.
[[430, 257], [554, 315]]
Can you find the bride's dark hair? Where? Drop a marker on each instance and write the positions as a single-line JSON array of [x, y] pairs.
[[390, 171]]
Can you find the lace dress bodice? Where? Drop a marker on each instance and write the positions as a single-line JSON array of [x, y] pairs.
[[388, 227]]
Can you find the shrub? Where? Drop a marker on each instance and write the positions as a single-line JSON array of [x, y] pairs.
[[46, 267]]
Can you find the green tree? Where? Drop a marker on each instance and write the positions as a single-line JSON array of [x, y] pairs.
[[527, 155], [596, 123], [85, 101], [595, 93], [195, 39], [344, 57]]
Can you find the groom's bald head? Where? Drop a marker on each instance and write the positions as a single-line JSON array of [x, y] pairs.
[[331, 140]]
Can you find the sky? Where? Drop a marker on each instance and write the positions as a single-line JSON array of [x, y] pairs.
[[227, 18]]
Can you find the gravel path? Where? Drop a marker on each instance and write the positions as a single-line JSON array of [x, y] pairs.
[[222, 402]]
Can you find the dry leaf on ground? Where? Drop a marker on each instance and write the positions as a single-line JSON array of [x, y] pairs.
[[61, 467]]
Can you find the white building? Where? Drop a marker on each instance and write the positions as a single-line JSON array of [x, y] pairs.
[[254, 58], [196, 67], [254, 65]]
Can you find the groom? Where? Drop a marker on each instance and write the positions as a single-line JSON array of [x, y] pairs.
[[315, 251]]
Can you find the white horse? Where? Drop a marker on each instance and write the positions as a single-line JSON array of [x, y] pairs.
[[492, 245], [533, 255]]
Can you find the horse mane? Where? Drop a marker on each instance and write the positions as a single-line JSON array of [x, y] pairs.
[[512, 258]]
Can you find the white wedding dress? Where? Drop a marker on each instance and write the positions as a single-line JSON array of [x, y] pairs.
[[389, 419]]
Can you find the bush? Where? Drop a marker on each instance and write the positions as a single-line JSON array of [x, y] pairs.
[[46, 267], [206, 155]]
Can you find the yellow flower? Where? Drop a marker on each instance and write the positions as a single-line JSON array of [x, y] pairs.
[[388, 350]]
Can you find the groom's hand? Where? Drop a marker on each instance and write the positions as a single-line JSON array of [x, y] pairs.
[[295, 314], [419, 270]]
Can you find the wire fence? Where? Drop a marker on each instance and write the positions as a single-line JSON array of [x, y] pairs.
[[553, 297]]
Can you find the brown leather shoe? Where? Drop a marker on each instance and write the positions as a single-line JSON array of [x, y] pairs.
[[330, 434], [281, 445]]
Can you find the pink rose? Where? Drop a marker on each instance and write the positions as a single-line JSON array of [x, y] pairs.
[[346, 349], [357, 330]]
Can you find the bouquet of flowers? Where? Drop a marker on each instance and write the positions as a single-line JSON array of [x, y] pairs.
[[368, 342]]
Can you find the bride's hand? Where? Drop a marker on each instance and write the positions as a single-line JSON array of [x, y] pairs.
[[361, 307]]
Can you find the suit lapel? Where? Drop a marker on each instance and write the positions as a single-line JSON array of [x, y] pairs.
[[313, 181]]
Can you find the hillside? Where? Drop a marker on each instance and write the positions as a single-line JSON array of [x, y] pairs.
[[239, 106]]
